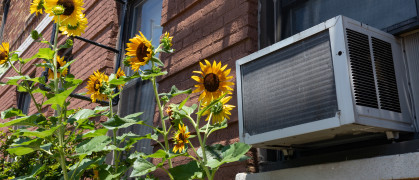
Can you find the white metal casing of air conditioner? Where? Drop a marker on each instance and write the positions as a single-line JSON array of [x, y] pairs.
[[350, 119]]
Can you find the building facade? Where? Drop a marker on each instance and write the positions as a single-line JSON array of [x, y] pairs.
[[214, 30], [224, 31]]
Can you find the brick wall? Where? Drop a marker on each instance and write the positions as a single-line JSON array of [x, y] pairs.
[[214, 30], [102, 28], [202, 29]]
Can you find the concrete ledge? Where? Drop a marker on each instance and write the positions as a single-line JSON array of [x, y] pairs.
[[385, 167]]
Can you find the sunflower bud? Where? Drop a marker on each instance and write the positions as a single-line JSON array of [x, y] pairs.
[[167, 42], [58, 10], [69, 42], [35, 35], [217, 108], [165, 99]]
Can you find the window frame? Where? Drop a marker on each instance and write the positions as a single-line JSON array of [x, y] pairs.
[[272, 31]]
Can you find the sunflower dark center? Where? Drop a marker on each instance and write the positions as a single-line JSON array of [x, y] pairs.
[[141, 52], [182, 137], [211, 82], [96, 85], [68, 6], [3, 56]]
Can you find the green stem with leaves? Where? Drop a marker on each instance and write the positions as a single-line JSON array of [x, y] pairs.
[[163, 124], [61, 129], [201, 143]]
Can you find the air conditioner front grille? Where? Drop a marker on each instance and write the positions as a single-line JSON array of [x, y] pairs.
[[386, 76], [289, 87], [362, 71]]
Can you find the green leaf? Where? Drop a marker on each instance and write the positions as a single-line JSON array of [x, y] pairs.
[[148, 76], [81, 116], [79, 167], [46, 53], [24, 61], [142, 167], [40, 134], [116, 122], [106, 172], [66, 65], [99, 109], [19, 151], [189, 110], [95, 144], [157, 61], [14, 58], [158, 154], [218, 155], [11, 112], [38, 80], [13, 80], [25, 121], [25, 146], [187, 171], [99, 132], [60, 98], [175, 92], [136, 155], [132, 139], [163, 154], [183, 102]]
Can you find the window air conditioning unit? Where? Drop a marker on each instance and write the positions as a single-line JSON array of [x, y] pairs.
[[339, 79]]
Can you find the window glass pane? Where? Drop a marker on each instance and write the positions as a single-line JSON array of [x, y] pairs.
[[146, 18], [376, 13]]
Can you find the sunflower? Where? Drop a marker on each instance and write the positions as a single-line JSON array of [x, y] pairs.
[[140, 51], [72, 9], [213, 82], [119, 74], [77, 29], [37, 6], [96, 86], [181, 138], [219, 111], [4, 53], [60, 63], [167, 41]]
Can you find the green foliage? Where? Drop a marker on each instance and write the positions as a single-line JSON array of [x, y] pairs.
[[117, 123], [218, 155], [142, 167], [189, 171], [71, 145], [95, 144]]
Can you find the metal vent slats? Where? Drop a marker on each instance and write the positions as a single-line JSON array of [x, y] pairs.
[[386, 76], [291, 86], [362, 70]]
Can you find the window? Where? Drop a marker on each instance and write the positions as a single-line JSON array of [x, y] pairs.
[[293, 16], [137, 95], [23, 103]]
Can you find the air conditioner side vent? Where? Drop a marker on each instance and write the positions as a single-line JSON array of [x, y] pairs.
[[386, 76], [361, 67]]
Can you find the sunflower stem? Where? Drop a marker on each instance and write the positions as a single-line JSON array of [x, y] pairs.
[[206, 130], [115, 153], [204, 154], [163, 124], [58, 111], [198, 134]]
